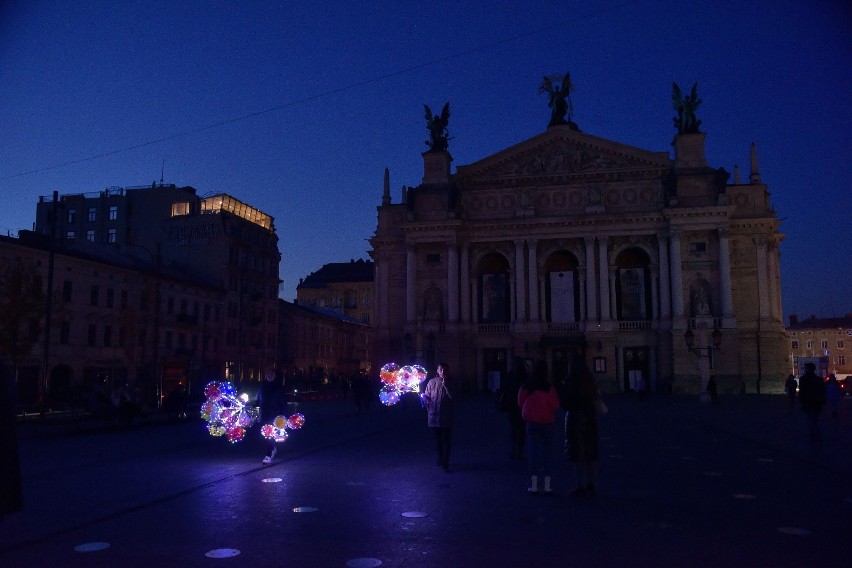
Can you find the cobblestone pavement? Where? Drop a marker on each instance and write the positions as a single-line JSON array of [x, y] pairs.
[[681, 483]]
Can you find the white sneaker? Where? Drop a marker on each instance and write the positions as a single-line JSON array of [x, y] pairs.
[[267, 459]]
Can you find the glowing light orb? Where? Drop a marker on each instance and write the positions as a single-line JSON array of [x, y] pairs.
[[398, 381], [226, 413], [277, 431]]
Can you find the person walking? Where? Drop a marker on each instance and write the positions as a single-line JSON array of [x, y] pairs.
[[272, 402], [539, 402], [812, 399], [438, 401], [580, 400], [833, 394]]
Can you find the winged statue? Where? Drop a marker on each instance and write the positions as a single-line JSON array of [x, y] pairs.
[[558, 89], [685, 121], [437, 126]]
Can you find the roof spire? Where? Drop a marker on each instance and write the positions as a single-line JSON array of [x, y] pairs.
[[386, 198], [736, 174], [754, 177]]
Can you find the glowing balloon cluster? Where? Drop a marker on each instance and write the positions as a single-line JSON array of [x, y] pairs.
[[278, 429], [398, 381], [225, 412]]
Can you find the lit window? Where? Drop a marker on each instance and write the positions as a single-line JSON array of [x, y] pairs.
[[111, 235], [180, 208], [93, 214], [90, 236], [72, 214], [70, 235]]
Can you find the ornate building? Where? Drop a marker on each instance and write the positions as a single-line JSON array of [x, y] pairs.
[[654, 268]]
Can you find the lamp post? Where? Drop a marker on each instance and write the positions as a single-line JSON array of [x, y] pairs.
[[704, 353]]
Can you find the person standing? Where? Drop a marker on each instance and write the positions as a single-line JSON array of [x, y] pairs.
[[439, 404], [812, 399], [539, 402], [790, 387], [272, 402], [509, 404], [833, 394], [581, 425]]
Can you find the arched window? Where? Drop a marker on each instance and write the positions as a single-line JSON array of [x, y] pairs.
[[562, 288], [633, 285]]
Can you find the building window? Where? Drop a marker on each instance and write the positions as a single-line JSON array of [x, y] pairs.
[[66, 291], [840, 344], [113, 212], [824, 344], [697, 249], [170, 305], [90, 236], [93, 296], [841, 360], [180, 208], [110, 299], [111, 235], [169, 339], [70, 235], [107, 335], [124, 299], [794, 345], [93, 214], [72, 215], [600, 364], [810, 343], [93, 330]]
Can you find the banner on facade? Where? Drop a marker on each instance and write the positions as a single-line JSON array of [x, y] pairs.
[[494, 298], [632, 293], [562, 296]]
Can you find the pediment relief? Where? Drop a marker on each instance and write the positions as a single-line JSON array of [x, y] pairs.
[[563, 155]]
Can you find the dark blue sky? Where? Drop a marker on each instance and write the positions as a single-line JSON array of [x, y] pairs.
[[297, 107]]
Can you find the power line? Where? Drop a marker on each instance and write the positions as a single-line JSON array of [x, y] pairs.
[[355, 85]]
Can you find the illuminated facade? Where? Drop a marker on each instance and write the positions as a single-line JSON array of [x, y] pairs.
[[821, 337], [568, 245]]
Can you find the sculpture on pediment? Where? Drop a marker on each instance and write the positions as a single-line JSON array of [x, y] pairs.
[[685, 121], [700, 299], [437, 126], [558, 89]]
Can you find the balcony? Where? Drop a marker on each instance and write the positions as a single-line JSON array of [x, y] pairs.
[[643, 325]]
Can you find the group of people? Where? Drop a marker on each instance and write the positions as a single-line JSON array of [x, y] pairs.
[[813, 394], [531, 402]]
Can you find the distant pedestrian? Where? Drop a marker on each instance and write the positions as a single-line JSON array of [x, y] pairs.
[[437, 398], [539, 402], [272, 401], [833, 394], [508, 403], [713, 390], [812, 399], [790, 387], [580, 400]]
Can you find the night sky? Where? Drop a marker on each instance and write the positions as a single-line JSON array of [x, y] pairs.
[[297, 107]]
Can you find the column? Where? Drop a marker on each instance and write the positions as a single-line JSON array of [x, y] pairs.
[[677, 276], [581, 282], [613, 301], [725, 274], [665, 285], [591, 299], [655, 306], [762, 276], [532, 271], [465, 285], [603, 270], [452, 282], [520, 282], [410, 276]]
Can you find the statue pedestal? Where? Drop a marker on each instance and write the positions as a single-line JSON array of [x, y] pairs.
[[436, 167], [689, 151]]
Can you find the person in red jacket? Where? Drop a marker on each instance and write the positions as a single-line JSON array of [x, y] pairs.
[[539, 402]]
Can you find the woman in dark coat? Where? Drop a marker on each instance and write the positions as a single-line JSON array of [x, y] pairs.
[[581, 425]]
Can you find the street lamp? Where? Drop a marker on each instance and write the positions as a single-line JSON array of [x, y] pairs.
[[704, 352]]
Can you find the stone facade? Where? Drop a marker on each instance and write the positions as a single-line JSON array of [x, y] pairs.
[[821, 337], [569, 245]]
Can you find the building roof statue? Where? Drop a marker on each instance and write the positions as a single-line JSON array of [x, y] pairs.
[[558, 89], [685, 121], [437, 126]]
